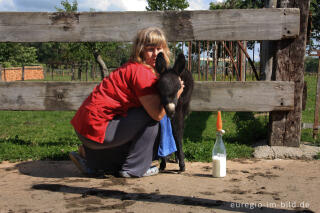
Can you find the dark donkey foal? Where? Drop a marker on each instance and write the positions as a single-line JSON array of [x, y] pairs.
[[176, 109]]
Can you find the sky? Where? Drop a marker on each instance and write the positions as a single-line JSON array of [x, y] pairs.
[[86, 5]]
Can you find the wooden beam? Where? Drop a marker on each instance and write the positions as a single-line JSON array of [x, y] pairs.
[[207, 96], [244, 24], [285, 127], [242, 96]]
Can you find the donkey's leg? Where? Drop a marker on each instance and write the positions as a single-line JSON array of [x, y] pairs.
[[177, 126], [163, 163]]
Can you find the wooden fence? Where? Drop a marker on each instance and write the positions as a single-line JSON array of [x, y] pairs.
[[282, 97]]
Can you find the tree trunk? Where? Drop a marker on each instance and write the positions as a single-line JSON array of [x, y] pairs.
[[80, 71], [96, 54], [267, 51], [86, 71], [103, 67], [285, 127], [92, 71]]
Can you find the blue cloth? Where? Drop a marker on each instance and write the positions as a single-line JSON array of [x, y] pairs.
[[167, 143]]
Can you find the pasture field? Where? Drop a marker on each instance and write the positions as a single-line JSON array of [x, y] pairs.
[[40, 135]]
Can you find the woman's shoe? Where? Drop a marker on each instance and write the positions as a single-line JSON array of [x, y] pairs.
[[153, 170], [81, 163], [124, 174]]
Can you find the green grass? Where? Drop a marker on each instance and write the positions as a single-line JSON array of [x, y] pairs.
[[200, 130], [36, 135], [308, 113], [49, 134]]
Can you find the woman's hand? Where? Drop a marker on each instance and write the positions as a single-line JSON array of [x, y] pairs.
[[181, 89], [152, 105]]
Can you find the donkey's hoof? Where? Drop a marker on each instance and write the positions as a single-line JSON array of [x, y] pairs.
[[162, 166], [182, 169]]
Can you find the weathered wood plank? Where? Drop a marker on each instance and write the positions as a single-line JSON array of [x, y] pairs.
[[246, 24], [207, 96], [242, 96]]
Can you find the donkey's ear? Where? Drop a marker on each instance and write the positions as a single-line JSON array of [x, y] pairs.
[[161, 64], [180, 64]]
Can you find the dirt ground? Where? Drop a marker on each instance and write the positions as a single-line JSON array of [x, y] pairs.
[[250, 186]]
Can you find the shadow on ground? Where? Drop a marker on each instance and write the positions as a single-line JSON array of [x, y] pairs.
[[128, 199], [49, 169]]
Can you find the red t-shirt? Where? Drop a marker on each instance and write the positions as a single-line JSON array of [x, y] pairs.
[[113, 96]]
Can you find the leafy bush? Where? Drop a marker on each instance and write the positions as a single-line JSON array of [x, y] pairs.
[[248, 128]]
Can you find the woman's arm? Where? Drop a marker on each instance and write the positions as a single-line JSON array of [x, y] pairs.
[[153, 106]]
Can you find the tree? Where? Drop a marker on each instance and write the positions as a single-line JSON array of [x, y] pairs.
[[17, 54], [237, 4], [67, 7], [315, 31], [167, 5], [79, 49]]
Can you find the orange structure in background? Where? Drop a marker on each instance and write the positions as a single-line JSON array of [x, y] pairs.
[[15, 73]]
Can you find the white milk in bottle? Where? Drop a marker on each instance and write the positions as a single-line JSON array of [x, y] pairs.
[[219, 157], [219, 165]]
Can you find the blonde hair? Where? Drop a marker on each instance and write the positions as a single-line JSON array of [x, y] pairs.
[[150, 36]]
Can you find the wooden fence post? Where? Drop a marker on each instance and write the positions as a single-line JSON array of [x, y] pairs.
[[207, 62], [215, 56], [190, 56], [73, 78], [243, 61], [0, 72], [285, 127], [22, 73], [267, 50], [52, 71], [80, 71], [199, 61], [224, 61], [316, 109]]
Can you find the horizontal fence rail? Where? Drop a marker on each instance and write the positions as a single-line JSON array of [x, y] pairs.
[[207, 96], [244, 24]]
